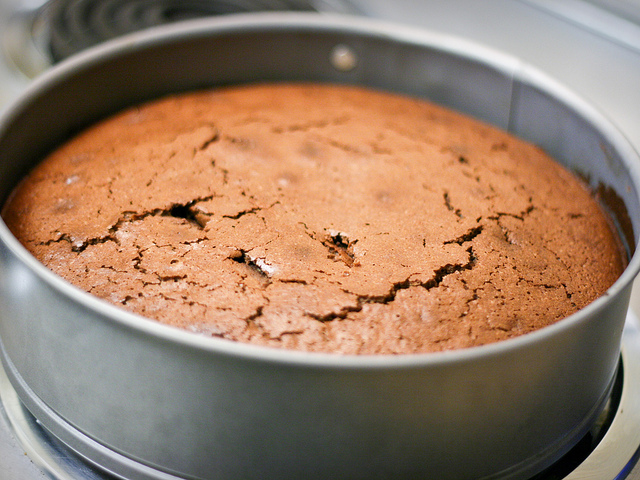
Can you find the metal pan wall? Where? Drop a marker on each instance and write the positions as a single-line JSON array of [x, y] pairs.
[[148, 401]]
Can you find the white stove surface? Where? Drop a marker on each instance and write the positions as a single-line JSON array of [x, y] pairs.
[[593, 47]]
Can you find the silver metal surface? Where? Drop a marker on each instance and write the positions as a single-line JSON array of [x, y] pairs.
[[616, 454], [15, 462], [31, 452], [97, 368]]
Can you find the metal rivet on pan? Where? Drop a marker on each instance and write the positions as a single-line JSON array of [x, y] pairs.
[[343, 58]]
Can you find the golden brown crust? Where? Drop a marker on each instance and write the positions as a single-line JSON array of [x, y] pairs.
[[321, 218]]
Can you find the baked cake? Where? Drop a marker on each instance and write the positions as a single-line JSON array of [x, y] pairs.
[[318, 217]]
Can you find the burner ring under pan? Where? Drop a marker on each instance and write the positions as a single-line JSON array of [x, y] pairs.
[[74, 25], [613, 455], [35, 39]]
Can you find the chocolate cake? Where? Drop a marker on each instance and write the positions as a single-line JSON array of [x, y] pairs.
[[318, 217]]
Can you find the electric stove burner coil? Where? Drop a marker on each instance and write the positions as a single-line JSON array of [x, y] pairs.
[[78, 24]]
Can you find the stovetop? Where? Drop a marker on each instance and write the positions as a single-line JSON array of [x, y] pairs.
[[592, 46]]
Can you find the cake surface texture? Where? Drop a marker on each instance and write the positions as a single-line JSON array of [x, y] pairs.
[[320, 218]]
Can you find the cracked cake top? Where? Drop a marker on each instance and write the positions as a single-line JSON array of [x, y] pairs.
[[320, 218]]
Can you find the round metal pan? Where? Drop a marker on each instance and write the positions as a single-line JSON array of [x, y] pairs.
[[148, 401]]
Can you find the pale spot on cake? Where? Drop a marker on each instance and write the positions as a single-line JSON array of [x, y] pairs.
[[63, 205], [312, 149], [287, 179]]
